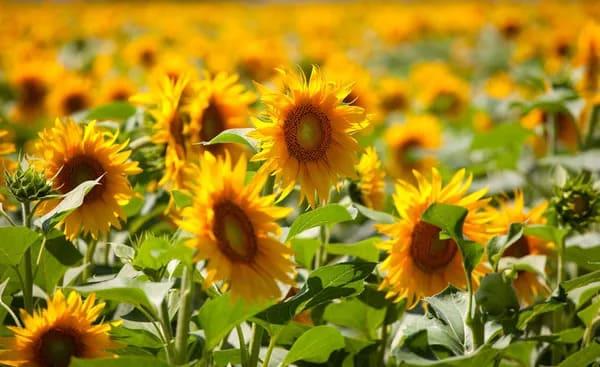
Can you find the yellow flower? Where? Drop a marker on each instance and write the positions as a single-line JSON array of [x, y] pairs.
[[235, 230], [31, 82], [69, 94], [308, 135], [393, 95], [407, 141], [116, 90], [528, 286], [371, 180], [420, 264], [438, 90], [142, 52], [65, 329], [500, 86], [69, 155], [588, 55], [566, 129]]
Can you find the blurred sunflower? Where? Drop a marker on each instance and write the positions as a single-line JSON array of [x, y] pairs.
[[69, 94], [588, 56], [235, 230], [31, 82], [407, 142], [6, 148], [65, 329], [567, 129], [69, 155], [393, 95], [438, 90], [308, 135], [116, 90], [371, 180], [528, 285], [420, 264], [142, 52]]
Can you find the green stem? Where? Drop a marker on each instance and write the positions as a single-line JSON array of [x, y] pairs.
[[589, 140], [588, 335], [321, 255], [384, 337], [474, 321], [184, 316], [167, 331], [28, 276], [552, 134], [243, 349], [257, 335], [557, 316], [270, 348], [88, 260]]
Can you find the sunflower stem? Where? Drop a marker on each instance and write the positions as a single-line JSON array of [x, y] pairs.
[[88, 260], [243, 349], [257, 335], [165, 322], [593, 122], [28, 276], [272, 342], [557, 316], [321, 255], [184, 316], [473, 316], [384, 337]]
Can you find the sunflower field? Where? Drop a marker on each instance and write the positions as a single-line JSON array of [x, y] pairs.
[[290, 183]]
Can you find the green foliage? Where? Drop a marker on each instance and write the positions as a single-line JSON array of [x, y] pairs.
[[327, 215], [111, 111], [315, 345]]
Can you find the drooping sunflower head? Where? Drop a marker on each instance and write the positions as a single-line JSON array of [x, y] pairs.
[[419, 262], [529, 286], [410, 143], [235, 230], [70, 154], [370, 188], [307, 137], [69, 95], [52, 336]]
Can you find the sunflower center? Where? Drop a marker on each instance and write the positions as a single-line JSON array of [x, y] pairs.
[[592, 69], [74, 102], [147, 58], [176, 129], [56, 347], [120, 95], [32, 92], [307, 132], [234, 232], [518, 249], [79, 169], [445, 102], [408, 152], [394, 102], [427, 250], [212, 122]]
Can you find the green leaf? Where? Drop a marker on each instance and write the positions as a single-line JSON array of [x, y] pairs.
[[181, 199], [221, 314], [154, 253], [355, 314], [588, 314], [323, 285], [450, 307], [71, 201], [584, 161], [580, 296], [364, 249], [581, 281], [546, 232], [501, 136], [531, 313], [147, 295], [326, 215], [62, 249], [315, 345], [584, 250], [568, 336], [111, 111], [496, 296], [497, 245], [530, 263], [15, 241], [450, 219], [237, 136], [125, 361], [377, 216], [582, 357], [227, 357], [480, 358], [304, 250]]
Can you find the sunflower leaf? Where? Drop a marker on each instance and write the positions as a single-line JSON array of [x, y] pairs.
[[122, 361], [111, 111], [315, 345], [329, 214], [15, 241], [497, 245], [237, 136]]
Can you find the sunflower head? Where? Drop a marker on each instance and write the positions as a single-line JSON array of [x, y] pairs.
[[70, 95], [307, 134], [52, 336], [588, 56], [419, 262], [235, 230], [27, 184], [577, 202], [70, 154], [370, 187]]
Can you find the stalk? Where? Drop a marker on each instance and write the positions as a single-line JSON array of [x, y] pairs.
[[28, 277], [88, 260], [243, 349], [184, 316], [257, 334]]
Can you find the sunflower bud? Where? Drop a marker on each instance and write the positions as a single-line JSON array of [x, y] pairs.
[[27, 184], [577, 202]]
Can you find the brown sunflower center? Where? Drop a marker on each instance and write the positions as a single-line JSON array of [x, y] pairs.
[[79, 169], [234, 232], [307, 133], [408, 152], [212, 122], [147, 58], [445, 102], [176, 129], [33, 92], [427, 250], [56, 347], [518, 249], [394, 102], [592, 69], [74, 102], [120, 95]]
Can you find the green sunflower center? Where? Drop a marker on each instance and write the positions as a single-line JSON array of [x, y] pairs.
[[79, 169], [428, 251], [307, 133], [234, 232], [56, 347]]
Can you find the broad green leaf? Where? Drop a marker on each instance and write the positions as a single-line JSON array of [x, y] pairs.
[[496, 296], [304, 250], [357, 315], [480, 358], [237, 136], [111, 111], [568, 336], [148, 295], [227, 357], [181, 199], [581, 281], [377, 216], [125, 361], [315, 345], [155, 253], [546, 232], [135, 337], [531, 263], [531, 313], [15, 241], [580, 296], [588, 314], [323, 285], [588, 161], [327, 215], [365, 249], [501, 136], [62, 249], [583, 357], [450, 307], [221, 314], [497, 245], [71, 201], [584, 250]]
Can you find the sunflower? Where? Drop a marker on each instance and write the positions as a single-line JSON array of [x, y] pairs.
[[528, 286], [117, 90], [371, 182], [393, 95], [566, 129], [69, 95], [420, 264], [308, 135], [142, 52], [438, 90], [69, 155], [407, 141], [235, 230], [31, 82], [51, 337], [588, 56]]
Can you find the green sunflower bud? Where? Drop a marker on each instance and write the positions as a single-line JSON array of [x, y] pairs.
[[577, 202], [27, 184]]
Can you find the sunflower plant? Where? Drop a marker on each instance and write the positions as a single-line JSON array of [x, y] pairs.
[[214, 185]]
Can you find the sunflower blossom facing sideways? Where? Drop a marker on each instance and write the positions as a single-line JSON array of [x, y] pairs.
[[528, 285], [371, 180], [70, 154], [235, 230], [420, 264], [65, 329], [307, 137]]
